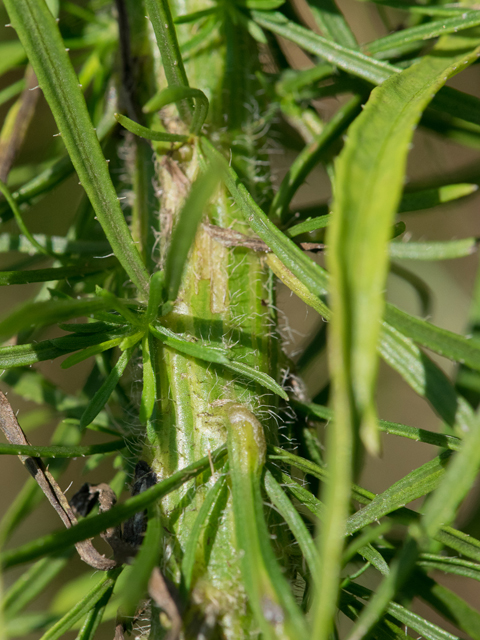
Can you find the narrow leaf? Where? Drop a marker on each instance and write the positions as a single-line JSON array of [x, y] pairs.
[[446, 343], [427, 198], [427, 629], [54, 244], [177, 94], [94, 525], [40, 314], [423, 32], [102, 396], [433, 250], [165, 34], [310, 156], [393, 428], [417, 483], [332, 23], [39, 34], [83, 607], [295, 523], [149, 391], [147, 558], [215, 355], [191, 547], [47, 275], [91, 351], [32, 583], [56, 451], [157, 284], [148, 134], [449, 100], [185, 230]]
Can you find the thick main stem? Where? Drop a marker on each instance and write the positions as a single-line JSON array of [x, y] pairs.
[[226, 298]]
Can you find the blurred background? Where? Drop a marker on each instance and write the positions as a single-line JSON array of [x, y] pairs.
[[451, 284]]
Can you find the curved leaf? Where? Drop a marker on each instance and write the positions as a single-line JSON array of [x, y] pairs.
[[368, 186]]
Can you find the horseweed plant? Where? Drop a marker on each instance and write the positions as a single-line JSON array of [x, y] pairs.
[[223, 535]]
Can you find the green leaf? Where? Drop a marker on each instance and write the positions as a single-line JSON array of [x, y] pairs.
[[393, 428], [449, 100], [149, 391], [427, 198], [433, 250], [423, 32], [425, 378], [32, 583], [309, 225], [87, 327], [94, 525], [55, 244], [165, 34], [427, 629], [414, 485], [450, 537], [12, 91], [439, 510], [18, 217], [310, 156], [148, 134], [75, 341], [195, 15], [102, 396], [295, 523], [216, 355], [344, 58], [332, 23], [48, 275], [362, 545], [28, 354], [40, 314], [396, 349], [449, 604], [264, 582], [156, 295], [94, 617], [11, 55], [368, 185], [263, 5], [37, 186], [177, 95], [59, 451], [91, 351], [185, 230], [104, 586], [39, 34], [457, 566], [201, 521], [146, 559], [446, 343]]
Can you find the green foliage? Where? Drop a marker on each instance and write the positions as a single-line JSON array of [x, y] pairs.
[[244, 520]]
